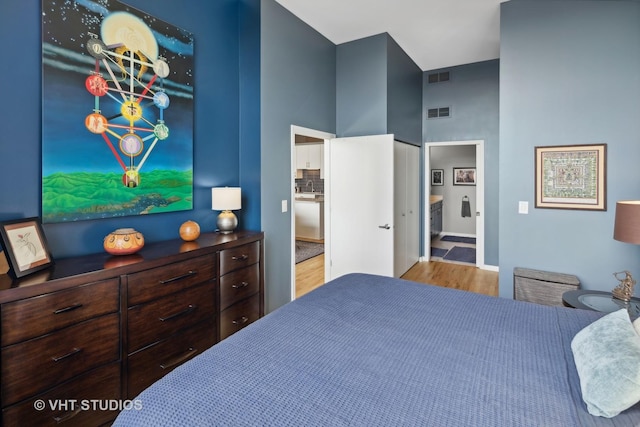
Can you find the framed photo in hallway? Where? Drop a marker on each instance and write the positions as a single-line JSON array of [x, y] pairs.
[[571, 177], [437, 176], [464, 176]]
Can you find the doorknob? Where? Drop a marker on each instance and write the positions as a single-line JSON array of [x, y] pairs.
[[386, 226]]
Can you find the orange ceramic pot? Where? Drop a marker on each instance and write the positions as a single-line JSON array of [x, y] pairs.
[[123, 241], [189, 231]]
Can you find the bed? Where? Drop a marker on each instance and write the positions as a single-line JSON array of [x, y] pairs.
[[367, 350]]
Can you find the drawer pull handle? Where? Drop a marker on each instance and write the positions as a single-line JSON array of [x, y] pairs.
[[240, 258], [182, 276], [188, 310], [240, 285], [67, 309], [179, 360], [66, 417], [76, 350], [240, 321]]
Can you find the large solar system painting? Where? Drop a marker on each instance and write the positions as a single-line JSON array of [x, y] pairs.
[[117, 112]]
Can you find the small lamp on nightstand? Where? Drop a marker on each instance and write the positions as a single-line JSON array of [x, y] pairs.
[[226, 199], [626, 229]]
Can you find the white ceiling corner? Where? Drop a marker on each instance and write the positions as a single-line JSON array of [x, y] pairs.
[[434, 33]]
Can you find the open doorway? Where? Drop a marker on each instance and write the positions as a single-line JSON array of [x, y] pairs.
[[307, 209], [454, 205]]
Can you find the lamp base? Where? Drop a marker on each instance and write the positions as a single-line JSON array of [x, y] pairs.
[[227, 222], [624, 291]]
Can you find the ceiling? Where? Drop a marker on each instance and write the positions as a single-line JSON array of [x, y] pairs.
[[434, 33]]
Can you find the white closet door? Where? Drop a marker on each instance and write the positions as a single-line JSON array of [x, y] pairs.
[[399, 209], [406, 207], [413, 205]]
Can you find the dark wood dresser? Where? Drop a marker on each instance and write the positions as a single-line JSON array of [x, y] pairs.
[[81, 339]]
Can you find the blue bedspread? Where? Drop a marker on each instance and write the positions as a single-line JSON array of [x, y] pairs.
[[367, 350]]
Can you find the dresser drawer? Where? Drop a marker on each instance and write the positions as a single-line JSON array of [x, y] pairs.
[[40, 315], [242, 256], [149, 284], [158, 319], [149, 365], [100, 384], [239, 285], [33, 366], [239, 315]]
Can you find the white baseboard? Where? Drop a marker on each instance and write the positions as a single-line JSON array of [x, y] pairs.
[[490, 268]]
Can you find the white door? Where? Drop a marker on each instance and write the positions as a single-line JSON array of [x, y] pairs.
[[407, 207], [413, 205], [399, 208], [361, 211]]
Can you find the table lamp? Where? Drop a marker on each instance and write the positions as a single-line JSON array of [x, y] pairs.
[[626, 229], [226, 199]]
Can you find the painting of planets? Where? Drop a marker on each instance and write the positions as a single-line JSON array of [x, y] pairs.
[[117, 112]]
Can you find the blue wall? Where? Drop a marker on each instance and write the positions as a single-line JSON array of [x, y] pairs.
[[378, 90], [473, 95], [298, 87], [249, 61], [404, 95], [217, 128], [361, 91], [569, 74]]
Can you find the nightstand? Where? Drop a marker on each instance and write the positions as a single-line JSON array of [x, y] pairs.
[[600, 301]]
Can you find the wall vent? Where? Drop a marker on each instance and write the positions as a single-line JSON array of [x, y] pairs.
[[435, 113], [439, 77]]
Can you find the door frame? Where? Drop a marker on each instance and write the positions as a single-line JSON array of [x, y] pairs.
[[479, 188], [299, 130]]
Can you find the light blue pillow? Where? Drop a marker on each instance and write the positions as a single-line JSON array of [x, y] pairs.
[[607, 356]]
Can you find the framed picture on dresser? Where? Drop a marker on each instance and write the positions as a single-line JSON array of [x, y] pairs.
[[25, 246]]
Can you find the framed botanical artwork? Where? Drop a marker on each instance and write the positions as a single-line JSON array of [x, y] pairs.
[[571, 177], [464, 176], [25, 246], [437, 176]]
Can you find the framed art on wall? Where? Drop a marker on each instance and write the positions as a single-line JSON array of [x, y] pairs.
[[571, 177], [25, 246], [118, 112], [464, 176], [437, 176]]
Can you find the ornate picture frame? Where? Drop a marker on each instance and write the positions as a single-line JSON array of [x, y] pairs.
[[25, 246], [571, 177]]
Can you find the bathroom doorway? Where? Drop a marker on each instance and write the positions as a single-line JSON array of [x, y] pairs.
[[456, 204]]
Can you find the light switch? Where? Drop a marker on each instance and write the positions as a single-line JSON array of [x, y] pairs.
[[523, 207], [284, 206]]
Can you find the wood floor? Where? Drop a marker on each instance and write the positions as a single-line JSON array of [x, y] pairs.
[[310, 275]]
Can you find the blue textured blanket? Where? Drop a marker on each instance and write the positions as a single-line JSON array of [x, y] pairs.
[[367, 350]]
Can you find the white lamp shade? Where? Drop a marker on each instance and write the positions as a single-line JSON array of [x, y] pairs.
[[226, 198]]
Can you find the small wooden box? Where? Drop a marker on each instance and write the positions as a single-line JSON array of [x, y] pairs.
[[542, 287]]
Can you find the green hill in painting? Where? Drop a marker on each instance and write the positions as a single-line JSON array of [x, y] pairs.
[[85, 195]]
